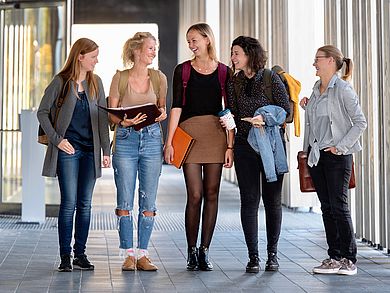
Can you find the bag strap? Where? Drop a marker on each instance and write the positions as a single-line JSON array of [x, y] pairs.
[[222, 73], [60, 101], [122, 85], [124, 77], [154, 76], [185, 76], [155, 79], [267, 76]]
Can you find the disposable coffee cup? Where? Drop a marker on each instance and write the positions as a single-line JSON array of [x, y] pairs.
[[227, 117]]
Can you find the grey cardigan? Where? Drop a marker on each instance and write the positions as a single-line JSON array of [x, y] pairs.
[[347, 120], [99, 121]]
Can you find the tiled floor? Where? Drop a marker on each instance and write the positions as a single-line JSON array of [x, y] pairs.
[[29, 256]]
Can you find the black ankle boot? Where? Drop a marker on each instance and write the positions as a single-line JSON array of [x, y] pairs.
[[253, 265], [192, 260], [272, 264], [204, 263]]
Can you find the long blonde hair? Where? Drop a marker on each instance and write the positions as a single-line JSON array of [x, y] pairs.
[[332, 51], [205, 30], [134, 43], [71, 69]]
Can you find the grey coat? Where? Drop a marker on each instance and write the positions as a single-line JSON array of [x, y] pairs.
[[99, 121]]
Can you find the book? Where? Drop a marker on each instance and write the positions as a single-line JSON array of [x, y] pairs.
[[182, 143], [150, 109]]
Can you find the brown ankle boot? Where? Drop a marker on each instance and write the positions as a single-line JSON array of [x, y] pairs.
[[129, 264], [145, 264]]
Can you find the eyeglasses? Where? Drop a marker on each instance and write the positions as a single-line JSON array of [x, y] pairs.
[[319, 57]]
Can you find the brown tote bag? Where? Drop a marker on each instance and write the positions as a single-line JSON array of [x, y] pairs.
[[305, 181]]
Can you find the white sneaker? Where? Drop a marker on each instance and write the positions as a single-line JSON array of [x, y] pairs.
[[328, 266], [347, 267]]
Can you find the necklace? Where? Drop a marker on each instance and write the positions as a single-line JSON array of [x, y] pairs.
[[207, 69]]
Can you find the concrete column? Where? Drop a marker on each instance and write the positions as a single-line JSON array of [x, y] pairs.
[[33, 184], [305, 35]]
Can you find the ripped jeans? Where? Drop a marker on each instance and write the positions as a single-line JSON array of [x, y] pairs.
[[137, 152]]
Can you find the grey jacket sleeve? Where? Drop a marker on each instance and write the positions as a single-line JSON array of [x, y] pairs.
[[103, 121], [47, 108], [354, 112]]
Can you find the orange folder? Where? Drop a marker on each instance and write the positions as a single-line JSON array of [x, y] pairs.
[[182, 143]]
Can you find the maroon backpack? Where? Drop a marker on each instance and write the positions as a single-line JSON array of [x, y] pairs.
[[222, 73]]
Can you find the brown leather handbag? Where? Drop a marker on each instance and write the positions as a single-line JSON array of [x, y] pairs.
[[305, 181]]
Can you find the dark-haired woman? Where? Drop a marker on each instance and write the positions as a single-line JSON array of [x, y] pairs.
[[246, 94]]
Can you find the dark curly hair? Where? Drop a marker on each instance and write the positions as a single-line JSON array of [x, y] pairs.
[[257, 56]]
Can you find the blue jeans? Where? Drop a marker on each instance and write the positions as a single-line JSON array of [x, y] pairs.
[[76, 178], [137, 152]]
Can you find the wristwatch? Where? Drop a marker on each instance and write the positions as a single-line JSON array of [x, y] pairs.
[[339, 153]]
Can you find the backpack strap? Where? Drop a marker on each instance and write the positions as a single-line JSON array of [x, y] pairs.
[[238, 84], [122, 85], [185, 76], [61, 99], [267, 76], [155, 79], [222, 73]]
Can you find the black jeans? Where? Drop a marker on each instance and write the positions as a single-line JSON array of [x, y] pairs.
[[331, 179], [249, 170]]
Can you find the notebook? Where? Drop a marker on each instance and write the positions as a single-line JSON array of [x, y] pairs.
[[150, 109]]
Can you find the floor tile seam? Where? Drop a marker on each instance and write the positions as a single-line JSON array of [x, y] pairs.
[[108, 259], [376, 263], [9, 251], [303, 268], [309, 239], [292, 281], [300, 249], [52, 272], [29, 260], [184, 256], [324, 248]]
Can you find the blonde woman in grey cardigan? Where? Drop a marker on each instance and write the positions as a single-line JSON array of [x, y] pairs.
[[75, 146], [334, 122]]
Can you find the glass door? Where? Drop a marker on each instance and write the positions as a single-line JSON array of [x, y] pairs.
[[32, 50]]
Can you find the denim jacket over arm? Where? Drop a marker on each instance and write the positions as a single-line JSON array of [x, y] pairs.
[[268, 143], [347, 120]]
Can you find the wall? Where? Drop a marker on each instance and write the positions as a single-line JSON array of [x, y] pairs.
[[302, 44], [162, 12]]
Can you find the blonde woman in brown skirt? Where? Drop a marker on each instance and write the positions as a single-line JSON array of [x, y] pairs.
[[195, 109]]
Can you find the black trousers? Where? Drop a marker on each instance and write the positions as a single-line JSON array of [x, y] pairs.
[[331, 179], [249, 170]]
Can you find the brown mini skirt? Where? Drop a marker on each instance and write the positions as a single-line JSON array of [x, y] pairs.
[[210, 139]]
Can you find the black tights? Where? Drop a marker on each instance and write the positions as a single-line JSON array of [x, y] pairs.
[[202, 182]]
